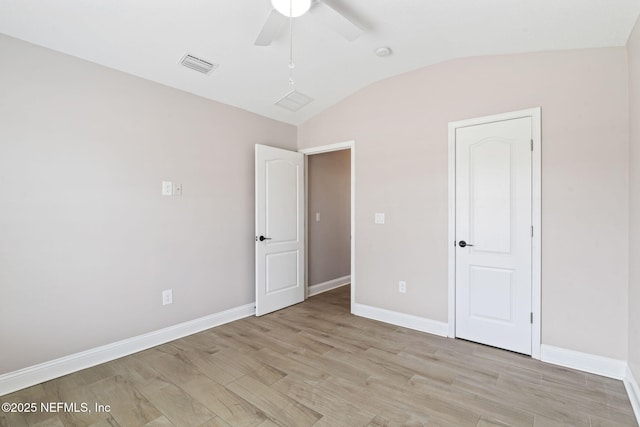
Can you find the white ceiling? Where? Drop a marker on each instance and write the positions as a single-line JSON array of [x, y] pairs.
[[147, 38]]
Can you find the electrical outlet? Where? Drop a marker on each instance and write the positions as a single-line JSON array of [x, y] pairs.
[[167, 297], [402, 287]]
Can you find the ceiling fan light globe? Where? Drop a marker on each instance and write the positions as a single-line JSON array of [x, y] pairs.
[[291, 8]]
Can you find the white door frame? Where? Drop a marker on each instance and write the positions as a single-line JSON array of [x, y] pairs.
[[536, 167], [347, 145]]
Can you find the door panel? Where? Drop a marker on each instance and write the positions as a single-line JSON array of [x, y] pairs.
[[493, 216], [281, 271], [490, 196], [280, 220], [491, 293], [282, 198]]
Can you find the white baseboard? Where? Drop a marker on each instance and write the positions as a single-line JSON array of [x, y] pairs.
[[633, 390], [599, 365], [327, 286], [400, 319], [46, 371]]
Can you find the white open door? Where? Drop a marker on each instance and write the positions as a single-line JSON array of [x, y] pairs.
[[493, 227], [279, 229]]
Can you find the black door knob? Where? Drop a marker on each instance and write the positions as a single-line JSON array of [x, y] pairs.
[[262, 238], [463, 244]]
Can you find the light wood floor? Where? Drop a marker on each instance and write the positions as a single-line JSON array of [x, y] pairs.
[[315, 364]]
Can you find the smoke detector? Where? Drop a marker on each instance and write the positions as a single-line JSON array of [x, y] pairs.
[[383, 51]]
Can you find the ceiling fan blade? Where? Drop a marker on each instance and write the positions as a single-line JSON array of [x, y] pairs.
[[271, 28], [335, 17]]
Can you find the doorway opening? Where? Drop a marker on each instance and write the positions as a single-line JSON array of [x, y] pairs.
[[330, 218]]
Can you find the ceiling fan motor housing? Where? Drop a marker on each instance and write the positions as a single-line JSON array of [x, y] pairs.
[[291, 8]]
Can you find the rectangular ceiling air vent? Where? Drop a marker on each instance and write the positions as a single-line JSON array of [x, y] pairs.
[[197, 64], [293, 101]]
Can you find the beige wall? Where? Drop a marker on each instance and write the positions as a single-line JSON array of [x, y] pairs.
[[329, 195], [400, 128], [633, 52], [87, 241]]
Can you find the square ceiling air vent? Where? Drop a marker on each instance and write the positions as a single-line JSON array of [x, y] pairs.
[[293, 101], [198, 64]]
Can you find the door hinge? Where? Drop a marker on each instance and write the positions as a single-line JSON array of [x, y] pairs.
[[532, 231], [532, 317], [532, 144]]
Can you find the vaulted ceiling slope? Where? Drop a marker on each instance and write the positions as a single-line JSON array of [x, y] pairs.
[[147, 38]]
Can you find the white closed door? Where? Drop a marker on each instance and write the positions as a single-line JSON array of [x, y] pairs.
[[279, 242], [493, 234]]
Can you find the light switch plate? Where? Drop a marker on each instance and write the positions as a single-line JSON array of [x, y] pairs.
[[177, 190], [379, 218], [167, 188], [317, 216]]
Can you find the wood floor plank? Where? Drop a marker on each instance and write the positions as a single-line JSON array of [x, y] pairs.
[[216, 422], [268, 423], [72, 391], [14, 420], [327, 421], [364, 398], [484, 422], [245, 362], [174, 403], [245, 332], [490, 410], [49, 422], [542, 421], [525, 396], [35, 394], [387, 371], [322, 400], [298, 340], [107, 422], [335, 341], [268, 375], [329, 364], [276, 405], [602, 422], [435, 406], [227, 405], [217, 368], [291, 366], [174, 366], [379, 421], [204, 341], [135, 370], [160, 422], [126, 404], [315, 364]]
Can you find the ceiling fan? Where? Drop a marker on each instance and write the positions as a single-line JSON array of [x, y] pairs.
[[327, 10]]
